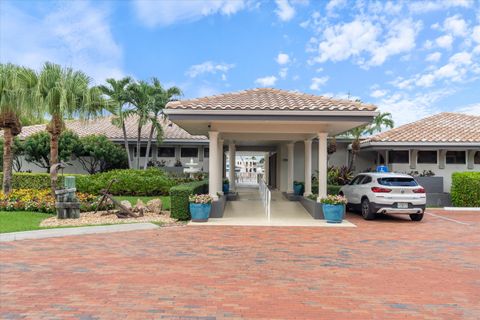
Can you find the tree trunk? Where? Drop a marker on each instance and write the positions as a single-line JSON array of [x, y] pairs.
[[149, 144], [138, 145], [125, 141], [55, 128], [7, 160]]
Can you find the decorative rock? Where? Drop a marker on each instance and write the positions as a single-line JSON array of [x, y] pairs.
[[140, 206], [155, 206], [126, 204]]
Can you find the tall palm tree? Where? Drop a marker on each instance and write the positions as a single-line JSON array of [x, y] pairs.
[[381, 121], [117, 92], [140, 97], [160, 99], [64, 93], [16, 91]]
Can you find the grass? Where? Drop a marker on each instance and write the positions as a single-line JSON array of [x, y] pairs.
[[21, 221], [133, 200]]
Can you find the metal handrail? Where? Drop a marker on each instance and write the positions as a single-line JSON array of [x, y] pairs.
[[266, 196]]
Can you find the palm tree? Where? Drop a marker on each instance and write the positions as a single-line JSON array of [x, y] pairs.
[[116, 90], [64, 93], [140, 97], [381, 121], [16, 88], [160, 99]]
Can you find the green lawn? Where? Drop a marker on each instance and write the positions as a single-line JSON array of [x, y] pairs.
[[21, 220], [133, 200]]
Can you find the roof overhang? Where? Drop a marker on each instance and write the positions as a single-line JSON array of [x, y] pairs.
[[418, 145]]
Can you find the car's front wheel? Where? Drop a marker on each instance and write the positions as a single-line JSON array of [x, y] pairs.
[[416, 216], [367, 211]]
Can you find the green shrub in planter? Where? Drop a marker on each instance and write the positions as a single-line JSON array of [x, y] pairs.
[[179, 198], [465, 191], [331, 189]]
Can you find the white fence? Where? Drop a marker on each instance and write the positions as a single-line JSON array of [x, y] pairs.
[[266, 195]]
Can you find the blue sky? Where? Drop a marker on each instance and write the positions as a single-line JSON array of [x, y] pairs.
[[409, 58]]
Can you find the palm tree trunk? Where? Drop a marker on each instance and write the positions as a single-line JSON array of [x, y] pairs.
[[138, 145], [149, 144], [125, 141], [7, 160], [55, 129]]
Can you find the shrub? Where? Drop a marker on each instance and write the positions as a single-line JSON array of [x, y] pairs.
[[465, 191], [97, 153], [331, 189], [21, 180], [179, 198]]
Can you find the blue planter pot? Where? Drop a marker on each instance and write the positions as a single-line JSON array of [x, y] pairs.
[[200, 211], [226, 188], [333, 213], [298, 189]]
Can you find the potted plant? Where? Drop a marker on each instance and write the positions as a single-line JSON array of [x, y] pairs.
[[298, 188], [333, 208], [226, 186], [200, 207]]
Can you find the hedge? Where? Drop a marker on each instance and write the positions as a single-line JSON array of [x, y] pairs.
[[331, 189], [179, 208], [151, 182], [465, 191]]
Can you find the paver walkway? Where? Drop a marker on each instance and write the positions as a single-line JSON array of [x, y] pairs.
[[385, 269]]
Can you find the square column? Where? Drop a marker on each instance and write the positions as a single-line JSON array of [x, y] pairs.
[[231, 157], [220, 159], [266, 168], [308, 167], [213, 171], [322, 165], [290, 147]]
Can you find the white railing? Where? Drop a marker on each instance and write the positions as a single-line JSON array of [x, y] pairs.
[[266, 196]]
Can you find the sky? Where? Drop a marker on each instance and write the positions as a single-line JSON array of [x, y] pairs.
[[409, 58]]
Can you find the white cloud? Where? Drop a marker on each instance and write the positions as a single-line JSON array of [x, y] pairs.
[[284, 11], [434, 57], [473, 109], [334, 4], [168, 12], [208, 67], [283, 73], [476, 34], [378, 93], [76, 34], [282, 58], [444, 41], [318, 82], [456, 26], [423, 6], [266, 81]]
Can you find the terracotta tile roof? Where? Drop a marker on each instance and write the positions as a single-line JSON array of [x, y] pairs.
[[270, 99], [104, 126], [442, 127]]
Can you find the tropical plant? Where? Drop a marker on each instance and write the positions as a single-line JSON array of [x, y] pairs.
[[200, 198], [97, 153], [64, 93], [117, 93], [160, 99], [339, 175], [37, 148], [16, 92], [335, 200]]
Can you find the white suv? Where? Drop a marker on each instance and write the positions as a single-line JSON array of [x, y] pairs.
[[380, 192]]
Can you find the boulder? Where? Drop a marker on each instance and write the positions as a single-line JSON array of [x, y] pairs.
[[126, 204], [155, 206], [140, 206]]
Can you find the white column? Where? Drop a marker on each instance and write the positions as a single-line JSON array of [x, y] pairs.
[[220, 166], [213, 164], [290, 147], [231, 161], [266, 167], [322, 165], [308, 167]]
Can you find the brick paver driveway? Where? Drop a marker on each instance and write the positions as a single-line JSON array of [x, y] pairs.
[[385, 269]]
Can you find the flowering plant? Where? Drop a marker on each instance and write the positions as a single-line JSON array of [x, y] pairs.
[[331, 199], [200, 198]]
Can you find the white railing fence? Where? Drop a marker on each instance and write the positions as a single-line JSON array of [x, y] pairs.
[[266, 195]]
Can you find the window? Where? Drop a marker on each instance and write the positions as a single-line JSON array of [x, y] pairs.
[[189, 152], [398, 156], [143, 151], [357, 180], [366, 180], [427, 157], [166, 152], [455, 157], [476, 158], [206, 152], [398, 182]]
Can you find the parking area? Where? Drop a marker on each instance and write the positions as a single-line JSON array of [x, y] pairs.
[[390, 268]]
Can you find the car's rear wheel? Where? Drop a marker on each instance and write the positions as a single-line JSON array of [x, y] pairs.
[[367, 212], [416, 216]]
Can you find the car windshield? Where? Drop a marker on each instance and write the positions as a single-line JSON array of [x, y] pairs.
[[398, 182]]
